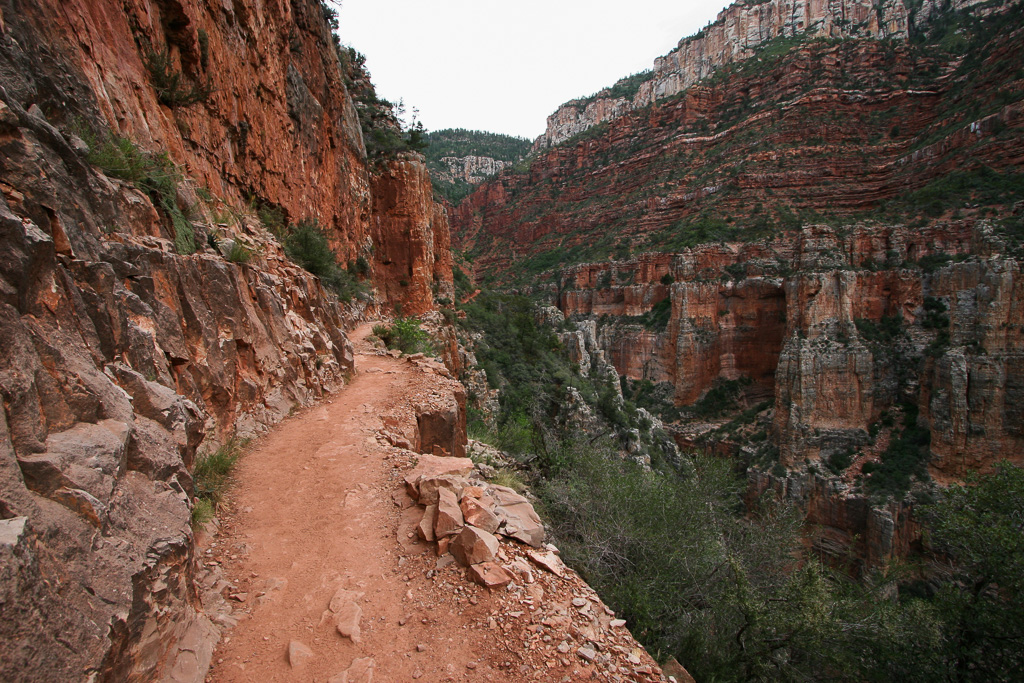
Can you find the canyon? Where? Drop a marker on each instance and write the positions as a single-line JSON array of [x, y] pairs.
[[812, 209], [815, 211]]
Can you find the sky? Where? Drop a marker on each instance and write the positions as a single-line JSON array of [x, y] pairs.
[[504, 66]]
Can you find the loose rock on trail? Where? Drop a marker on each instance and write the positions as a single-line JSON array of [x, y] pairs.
[[324, 569]]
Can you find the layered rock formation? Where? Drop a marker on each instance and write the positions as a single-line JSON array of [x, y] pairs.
[[736, 35], [851, 344], [835, 130], [799, 317], [122, 353]]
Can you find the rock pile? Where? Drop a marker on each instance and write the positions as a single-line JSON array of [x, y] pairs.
[[465, 517], [544, 621]]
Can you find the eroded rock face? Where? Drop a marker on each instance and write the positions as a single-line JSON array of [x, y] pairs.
[[838, 128], [121, 355], [796, 316], [472, 169]]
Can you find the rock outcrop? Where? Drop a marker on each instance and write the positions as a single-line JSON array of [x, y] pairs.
[[472, 169], [123, 351], [800, 318]]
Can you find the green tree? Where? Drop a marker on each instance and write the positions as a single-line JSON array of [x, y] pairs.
[[979, 527]]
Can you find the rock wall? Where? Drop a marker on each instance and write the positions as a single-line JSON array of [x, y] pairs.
[[278, 127], [795, 315], [121, 354], [736, 35]]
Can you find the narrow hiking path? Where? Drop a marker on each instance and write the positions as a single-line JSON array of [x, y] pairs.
[[319, 518], [313, 511]]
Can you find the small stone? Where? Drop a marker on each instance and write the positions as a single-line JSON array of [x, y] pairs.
[[580, 602], [361, 671], [471, 665], [425, 530], [616, 623], [587, 653], [564, 647], [490, 575], [421, 648], [298, 654], [347, 621], [547, 560]]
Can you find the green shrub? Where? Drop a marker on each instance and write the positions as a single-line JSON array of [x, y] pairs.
[[239, 253], [154, 174], [905, 459], [406, 335], [885, 331], [211, 477], [722, 397], [172, 87], [307, 245]]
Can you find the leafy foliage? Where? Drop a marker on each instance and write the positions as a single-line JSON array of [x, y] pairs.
[[155, 174], [978, 527], [906, 458], [406, 335], [307, 245]]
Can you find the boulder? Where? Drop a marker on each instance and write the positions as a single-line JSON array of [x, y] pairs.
[[449, 515], [473, 546], [433, 466], [476, 514], [429, 486]]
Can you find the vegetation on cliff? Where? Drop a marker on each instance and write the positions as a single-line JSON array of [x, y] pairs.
[[806, 131], [459, 143], [731, 591]]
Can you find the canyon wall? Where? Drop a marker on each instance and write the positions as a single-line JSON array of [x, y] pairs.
[[823, 131], [125, 355], [798, 316], [737, 34], [471, 169]]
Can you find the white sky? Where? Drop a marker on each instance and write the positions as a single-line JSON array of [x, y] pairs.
[[503, 66]]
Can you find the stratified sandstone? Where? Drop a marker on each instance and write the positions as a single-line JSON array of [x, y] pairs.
[[736, 34]]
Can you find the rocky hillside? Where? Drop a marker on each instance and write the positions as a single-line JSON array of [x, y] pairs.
[[737, 34], [460, 159], [154, 155], [808, 260]]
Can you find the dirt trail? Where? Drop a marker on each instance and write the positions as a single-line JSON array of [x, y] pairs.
[[319, 507], [313, 510]]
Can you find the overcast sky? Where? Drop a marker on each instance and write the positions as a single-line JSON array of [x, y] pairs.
[[504, 66]]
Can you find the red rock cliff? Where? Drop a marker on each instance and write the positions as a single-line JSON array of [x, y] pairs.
[[121, 353]]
